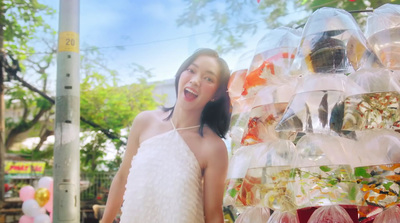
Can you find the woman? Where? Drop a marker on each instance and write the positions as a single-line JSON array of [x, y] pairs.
[[175, 164]]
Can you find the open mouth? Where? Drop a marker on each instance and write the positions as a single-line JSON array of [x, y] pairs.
[[190, 94]]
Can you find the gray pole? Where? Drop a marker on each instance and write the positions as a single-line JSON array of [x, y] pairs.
[[66, 203], [2, 112]]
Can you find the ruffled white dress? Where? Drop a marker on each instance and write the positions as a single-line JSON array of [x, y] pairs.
[[164, 182]]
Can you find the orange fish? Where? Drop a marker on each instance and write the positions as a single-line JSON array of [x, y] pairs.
[[390, 167], [235, 84], [366, 195], [380, 197], [362, 214], [254, 79], [251, 136], [393, 177], [246, 196]]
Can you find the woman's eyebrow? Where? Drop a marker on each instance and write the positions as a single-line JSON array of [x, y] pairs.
[[207, 71], [211, 72]]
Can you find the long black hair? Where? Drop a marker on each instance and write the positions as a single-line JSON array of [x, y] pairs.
[[216, 114]]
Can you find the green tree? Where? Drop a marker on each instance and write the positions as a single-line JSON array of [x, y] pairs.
[[106, 108], [26, 88], [231, 20], [18, 21], [112, 107], [91, 153], [33, 108]]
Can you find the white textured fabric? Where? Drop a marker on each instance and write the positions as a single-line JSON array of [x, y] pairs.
[[164, 183]]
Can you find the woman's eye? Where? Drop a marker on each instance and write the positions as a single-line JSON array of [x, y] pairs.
[[190, 70], [209, 79]]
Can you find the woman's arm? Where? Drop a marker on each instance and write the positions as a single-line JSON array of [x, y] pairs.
[[214, 182], [117, 189], [115, 198]]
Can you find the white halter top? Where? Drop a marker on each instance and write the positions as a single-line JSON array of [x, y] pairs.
[[164, 182]]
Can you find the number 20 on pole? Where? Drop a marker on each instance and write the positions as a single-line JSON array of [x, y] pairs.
[[68, 41]]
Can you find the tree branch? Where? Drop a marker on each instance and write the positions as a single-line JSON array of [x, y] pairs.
[[13, 73]]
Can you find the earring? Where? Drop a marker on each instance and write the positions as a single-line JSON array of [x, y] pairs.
[[212, 100]]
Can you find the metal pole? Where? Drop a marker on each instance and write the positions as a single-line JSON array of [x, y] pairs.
[[2, 110], [66, 203]]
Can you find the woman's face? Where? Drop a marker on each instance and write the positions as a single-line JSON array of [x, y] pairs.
[[199, 82]]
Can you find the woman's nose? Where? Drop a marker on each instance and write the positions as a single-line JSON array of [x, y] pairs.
[[195, 79]]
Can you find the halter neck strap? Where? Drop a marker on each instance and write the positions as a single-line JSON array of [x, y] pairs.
[[190, 127]]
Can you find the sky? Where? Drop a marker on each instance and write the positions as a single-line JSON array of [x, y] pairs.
[[147, 32]]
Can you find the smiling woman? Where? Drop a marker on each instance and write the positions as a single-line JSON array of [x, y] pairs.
[[175, 164]]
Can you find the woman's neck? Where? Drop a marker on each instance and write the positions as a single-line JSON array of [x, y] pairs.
[[182, 119]]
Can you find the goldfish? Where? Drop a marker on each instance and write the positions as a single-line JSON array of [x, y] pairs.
[[246, 195], [336, 121], [235, 84], [390, 167], [328, 54], [395, 178], [251, 136], [255, 77], [323, 110]]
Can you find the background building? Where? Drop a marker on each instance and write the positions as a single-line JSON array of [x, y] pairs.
[[164, 92]]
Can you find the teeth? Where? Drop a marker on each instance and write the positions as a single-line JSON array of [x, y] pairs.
[[191, 91]]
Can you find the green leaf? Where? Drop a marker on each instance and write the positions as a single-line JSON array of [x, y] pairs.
[[232, 193], [353, 193], [333, 181], [361, 172], [387, 185], [325, 168], [364, 182], [292, 173]]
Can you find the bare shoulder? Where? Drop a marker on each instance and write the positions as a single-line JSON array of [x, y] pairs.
[[146, 119], [150, 123], [216, 147]]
